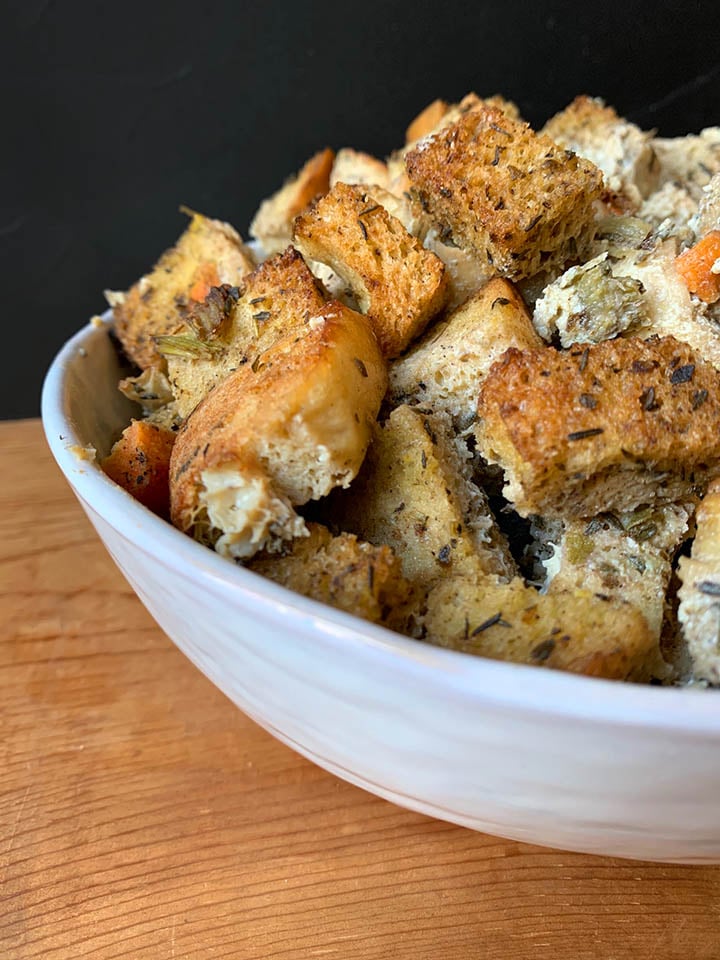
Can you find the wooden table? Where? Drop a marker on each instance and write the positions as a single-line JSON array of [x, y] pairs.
[[143, 816]]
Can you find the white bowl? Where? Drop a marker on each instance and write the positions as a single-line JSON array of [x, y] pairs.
[[517, 751]]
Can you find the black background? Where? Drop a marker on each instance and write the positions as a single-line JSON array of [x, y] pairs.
[[115, 114]]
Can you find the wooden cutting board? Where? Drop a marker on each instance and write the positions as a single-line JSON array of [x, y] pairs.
[[143, 816]]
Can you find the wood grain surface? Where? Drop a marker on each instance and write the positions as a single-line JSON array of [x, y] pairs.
[[143, 816]]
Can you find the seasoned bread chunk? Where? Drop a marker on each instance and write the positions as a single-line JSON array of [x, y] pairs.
[[618, 424], [354, 166], [574, 630], [414, 494], [234, 325], [620, 149], [341, 571], [207, 254], [397, 283], [444, 370], [514, 197], [699, 611], [426, 121], [277, 433], [272, 224]]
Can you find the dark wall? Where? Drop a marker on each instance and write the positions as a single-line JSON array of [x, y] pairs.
[[115, 114]]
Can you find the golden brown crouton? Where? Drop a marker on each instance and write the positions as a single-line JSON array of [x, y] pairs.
[[699, 611], [426, 121], [234, 325], [607, 428], [445, 369], [140, 461], [272, 224], [464, 273], [573, 630], [398, 180], [414, 495], [620, 149], [354, 166], [209, 252], [513, 196], [278, 432], [397, 283], [341, 571]]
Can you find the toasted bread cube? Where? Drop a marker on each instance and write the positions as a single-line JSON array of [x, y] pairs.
[[414, 494], [573, 630], [398, 180], [341, 571], [354, 166], [464, 273], [445, 369], [699, 593], [234, 325], [626, 557], [140, 462], [276, 433], [512, 196], [619, 424], [426, 121], [208, 253], [619, 148], [272, 224], [397, 283]]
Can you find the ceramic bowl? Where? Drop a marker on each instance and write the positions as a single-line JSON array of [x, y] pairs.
[[517, 751]]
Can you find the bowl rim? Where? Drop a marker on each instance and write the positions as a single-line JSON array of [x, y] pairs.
[[504, 684]]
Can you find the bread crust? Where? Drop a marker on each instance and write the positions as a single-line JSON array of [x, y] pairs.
[[618, 424], [514, 197], [273, 301], [395, 281], [340, 570], [281, 431], [272, 223], [573, 630]]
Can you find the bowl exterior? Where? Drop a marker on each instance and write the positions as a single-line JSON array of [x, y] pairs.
[[580, 785], [516, 751]]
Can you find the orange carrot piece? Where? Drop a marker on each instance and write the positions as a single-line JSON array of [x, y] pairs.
[[206, 276], [140, 463], [695, 267]]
